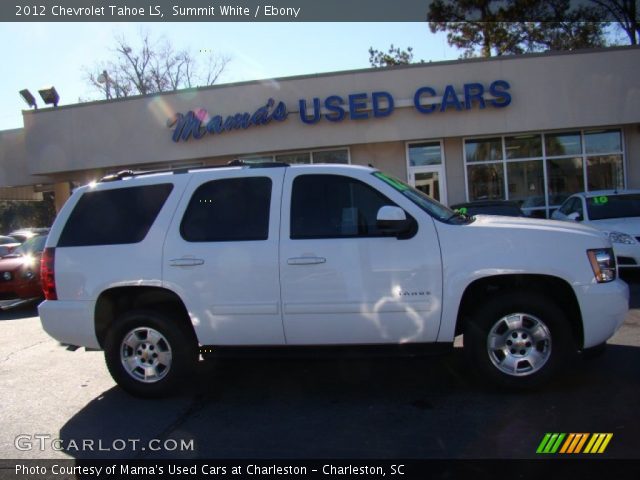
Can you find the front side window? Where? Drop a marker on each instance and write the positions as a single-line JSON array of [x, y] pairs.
[[232, 209], [422, 200], [334, 206]]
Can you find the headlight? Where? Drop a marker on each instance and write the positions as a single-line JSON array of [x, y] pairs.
[[603, 263], [619, 237], [6, 276], [28, 274]]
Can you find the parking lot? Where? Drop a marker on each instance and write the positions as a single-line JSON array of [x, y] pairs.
[[63, 404]]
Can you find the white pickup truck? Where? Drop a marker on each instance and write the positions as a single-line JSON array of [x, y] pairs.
[[162, 268]]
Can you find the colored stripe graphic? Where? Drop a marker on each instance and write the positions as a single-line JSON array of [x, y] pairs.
[[550, 443], [574, 443], [598, 442]]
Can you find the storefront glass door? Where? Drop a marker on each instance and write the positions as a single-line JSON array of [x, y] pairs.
[[425, 168]]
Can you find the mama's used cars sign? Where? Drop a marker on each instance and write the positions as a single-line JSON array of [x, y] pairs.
[[335, 108]]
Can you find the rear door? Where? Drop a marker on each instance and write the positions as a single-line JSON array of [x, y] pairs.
[[221, 256], [344, 281]]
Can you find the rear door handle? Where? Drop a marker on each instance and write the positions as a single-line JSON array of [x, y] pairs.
[[186, 262], [306, 260]]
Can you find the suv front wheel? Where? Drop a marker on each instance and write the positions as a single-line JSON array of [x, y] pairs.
[[149, 353], [518, 340]]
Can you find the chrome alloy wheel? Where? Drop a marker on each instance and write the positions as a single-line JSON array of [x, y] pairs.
[[146, 355], [519, 344]]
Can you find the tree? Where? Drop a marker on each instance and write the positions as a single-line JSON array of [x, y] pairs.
[[395, 56], [496, 27], [625, 13], [151, 67], [20, 214]]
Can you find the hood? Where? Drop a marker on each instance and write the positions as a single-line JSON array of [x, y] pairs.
[[524, 223], [630, 225]]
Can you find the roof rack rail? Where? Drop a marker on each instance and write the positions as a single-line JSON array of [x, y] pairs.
[[180, 170]]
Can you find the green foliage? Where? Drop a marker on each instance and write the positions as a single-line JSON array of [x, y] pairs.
[[395, 56], [495, 27], [20, 214]]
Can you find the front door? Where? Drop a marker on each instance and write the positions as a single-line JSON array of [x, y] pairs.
[[343, 280]]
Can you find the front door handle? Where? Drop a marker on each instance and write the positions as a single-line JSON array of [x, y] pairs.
[[186, 262], [306, 260]]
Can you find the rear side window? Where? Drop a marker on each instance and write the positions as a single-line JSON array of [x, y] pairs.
[[113, 217], [232, 209]]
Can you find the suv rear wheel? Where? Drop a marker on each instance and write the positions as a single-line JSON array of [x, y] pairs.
[[518, 340], [149, 353]]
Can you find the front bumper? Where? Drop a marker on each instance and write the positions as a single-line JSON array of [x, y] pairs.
[[16, 289], [604, 307], [627, 256]]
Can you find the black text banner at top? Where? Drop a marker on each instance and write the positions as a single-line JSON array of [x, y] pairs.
[[234, 10]]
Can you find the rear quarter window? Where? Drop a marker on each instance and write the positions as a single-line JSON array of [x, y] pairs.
[[112, 217]]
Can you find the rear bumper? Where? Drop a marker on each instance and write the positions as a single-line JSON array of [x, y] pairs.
[[604, 307], [69, 322]]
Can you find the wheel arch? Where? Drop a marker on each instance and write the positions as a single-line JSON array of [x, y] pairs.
[[558, 289], [115, 301]]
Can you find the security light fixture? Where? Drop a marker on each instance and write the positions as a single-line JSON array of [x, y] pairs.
[[28, 98], [49, 95]]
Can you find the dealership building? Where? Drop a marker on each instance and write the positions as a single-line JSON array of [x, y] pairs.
[[530, 128]]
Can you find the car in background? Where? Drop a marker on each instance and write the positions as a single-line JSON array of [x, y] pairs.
[[616, 213], [7, 245], [20, 270], [489, 207], [24, 234]]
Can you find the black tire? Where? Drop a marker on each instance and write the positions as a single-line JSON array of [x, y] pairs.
[[524, 357], [164, 355]]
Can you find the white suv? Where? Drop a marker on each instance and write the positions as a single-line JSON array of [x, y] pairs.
[[160, 269]]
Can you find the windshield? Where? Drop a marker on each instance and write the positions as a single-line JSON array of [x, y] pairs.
[[422, 200], [31, 246], [613, 206]]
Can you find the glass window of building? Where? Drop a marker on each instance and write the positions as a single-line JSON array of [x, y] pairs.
[[422, 154], [331, 156], [565, 177], [538, 178], [340, 155], [558, 144], [523, 146], [605, 172], [599, 141], [526, 183], [483, 150], [486, 182], [294, 158]]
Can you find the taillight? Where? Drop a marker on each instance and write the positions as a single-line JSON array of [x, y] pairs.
[[47, 274]]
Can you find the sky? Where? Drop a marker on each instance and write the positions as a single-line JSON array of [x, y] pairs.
[[37, 55]]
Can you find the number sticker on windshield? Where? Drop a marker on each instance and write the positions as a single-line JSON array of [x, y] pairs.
[[601, 200]]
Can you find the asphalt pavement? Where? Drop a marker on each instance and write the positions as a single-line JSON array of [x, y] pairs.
[[63, 404]]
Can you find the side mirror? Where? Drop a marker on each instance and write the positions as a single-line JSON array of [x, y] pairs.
[[394, 221], [575, 216]]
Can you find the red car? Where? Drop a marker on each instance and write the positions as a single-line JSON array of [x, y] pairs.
[[20, 270]]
